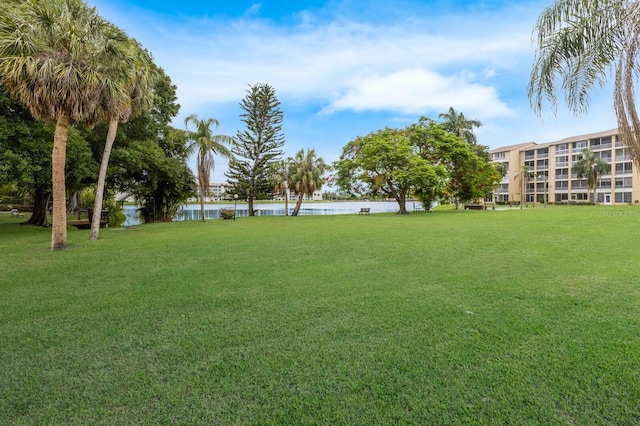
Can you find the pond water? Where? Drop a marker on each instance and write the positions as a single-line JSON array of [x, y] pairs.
[[212, 211]]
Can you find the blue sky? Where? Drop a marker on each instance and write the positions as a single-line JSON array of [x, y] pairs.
[[346, 68]]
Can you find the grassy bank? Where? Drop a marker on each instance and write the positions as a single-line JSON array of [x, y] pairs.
[[505, 317]]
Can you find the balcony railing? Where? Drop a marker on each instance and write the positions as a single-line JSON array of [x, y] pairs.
[[602, 146]]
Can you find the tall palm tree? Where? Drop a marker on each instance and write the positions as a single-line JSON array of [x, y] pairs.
[[456, 122], [280, 180], [591, 167], [580, 43], [305, 176], [205, 144], [524, 175], [51, 57], [127, 92]]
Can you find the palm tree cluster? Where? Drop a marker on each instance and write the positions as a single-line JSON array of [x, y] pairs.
[[580, 43], [301, 174], [68, 65]]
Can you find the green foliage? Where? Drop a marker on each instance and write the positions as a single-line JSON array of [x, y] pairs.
[[591, 167], [25, 156], [258, 146], [423, 160], [149, 158], [305, 175]]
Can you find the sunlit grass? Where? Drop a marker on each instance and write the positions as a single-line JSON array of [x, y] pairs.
[[506, 317]]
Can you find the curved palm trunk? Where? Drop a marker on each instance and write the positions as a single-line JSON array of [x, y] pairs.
[[58, 157], [297, 207], [102, 176]]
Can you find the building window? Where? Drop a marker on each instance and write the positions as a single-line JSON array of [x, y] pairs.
[[605, 155], [579, 184], [562, 197], [529, 155], [562, 149], [604, 183], [625, 182], [562, 184], [562, 173], [580, 196], [579, 146], [623, 155], [624, 168], [601, 143], [499, 156], [623, 197]]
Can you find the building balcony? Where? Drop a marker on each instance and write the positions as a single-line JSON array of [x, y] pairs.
[[600, 147]]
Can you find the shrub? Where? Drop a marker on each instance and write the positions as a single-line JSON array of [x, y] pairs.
[[227, 214]]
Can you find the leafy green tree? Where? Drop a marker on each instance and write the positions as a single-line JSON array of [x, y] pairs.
[[305, 175], [386, 162], [580, 44], [205, 144], [52, 56], [591, 167], [258, 146], [470, 176]]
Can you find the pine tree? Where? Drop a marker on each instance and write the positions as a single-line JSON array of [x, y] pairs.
[[257, 147]]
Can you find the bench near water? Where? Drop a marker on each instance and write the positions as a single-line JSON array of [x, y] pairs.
[[364, 210]]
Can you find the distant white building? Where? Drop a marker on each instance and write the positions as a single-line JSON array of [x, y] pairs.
[[218, 191], [317, 196]]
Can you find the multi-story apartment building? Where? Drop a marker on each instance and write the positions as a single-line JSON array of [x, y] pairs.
[[550, 171]]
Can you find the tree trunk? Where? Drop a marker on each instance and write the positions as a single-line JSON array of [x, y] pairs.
[[40, 203], [402, 202], [102, 176], [286, 202], [201, 194], [296, 209], [58, 158], [250, 205]]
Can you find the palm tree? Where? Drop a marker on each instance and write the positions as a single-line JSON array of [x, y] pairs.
[[592, 168], [51, 58], [580, 44], [524, 174], [455, 122], [305, 175], [280, 180], [128, 92], [206, 145]]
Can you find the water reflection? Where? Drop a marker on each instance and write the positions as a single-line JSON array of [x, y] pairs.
[[212, 211]]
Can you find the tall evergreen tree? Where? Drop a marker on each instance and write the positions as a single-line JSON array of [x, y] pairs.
[[258, 146]]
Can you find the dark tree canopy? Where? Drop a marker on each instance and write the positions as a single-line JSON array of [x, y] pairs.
[[25, 157], [258, 146]]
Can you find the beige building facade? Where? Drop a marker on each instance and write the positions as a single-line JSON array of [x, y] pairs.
[[550, 173]]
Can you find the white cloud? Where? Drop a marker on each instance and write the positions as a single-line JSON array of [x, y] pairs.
[[418, 91]]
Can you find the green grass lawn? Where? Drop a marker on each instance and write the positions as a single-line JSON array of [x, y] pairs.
[[455, 317]]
